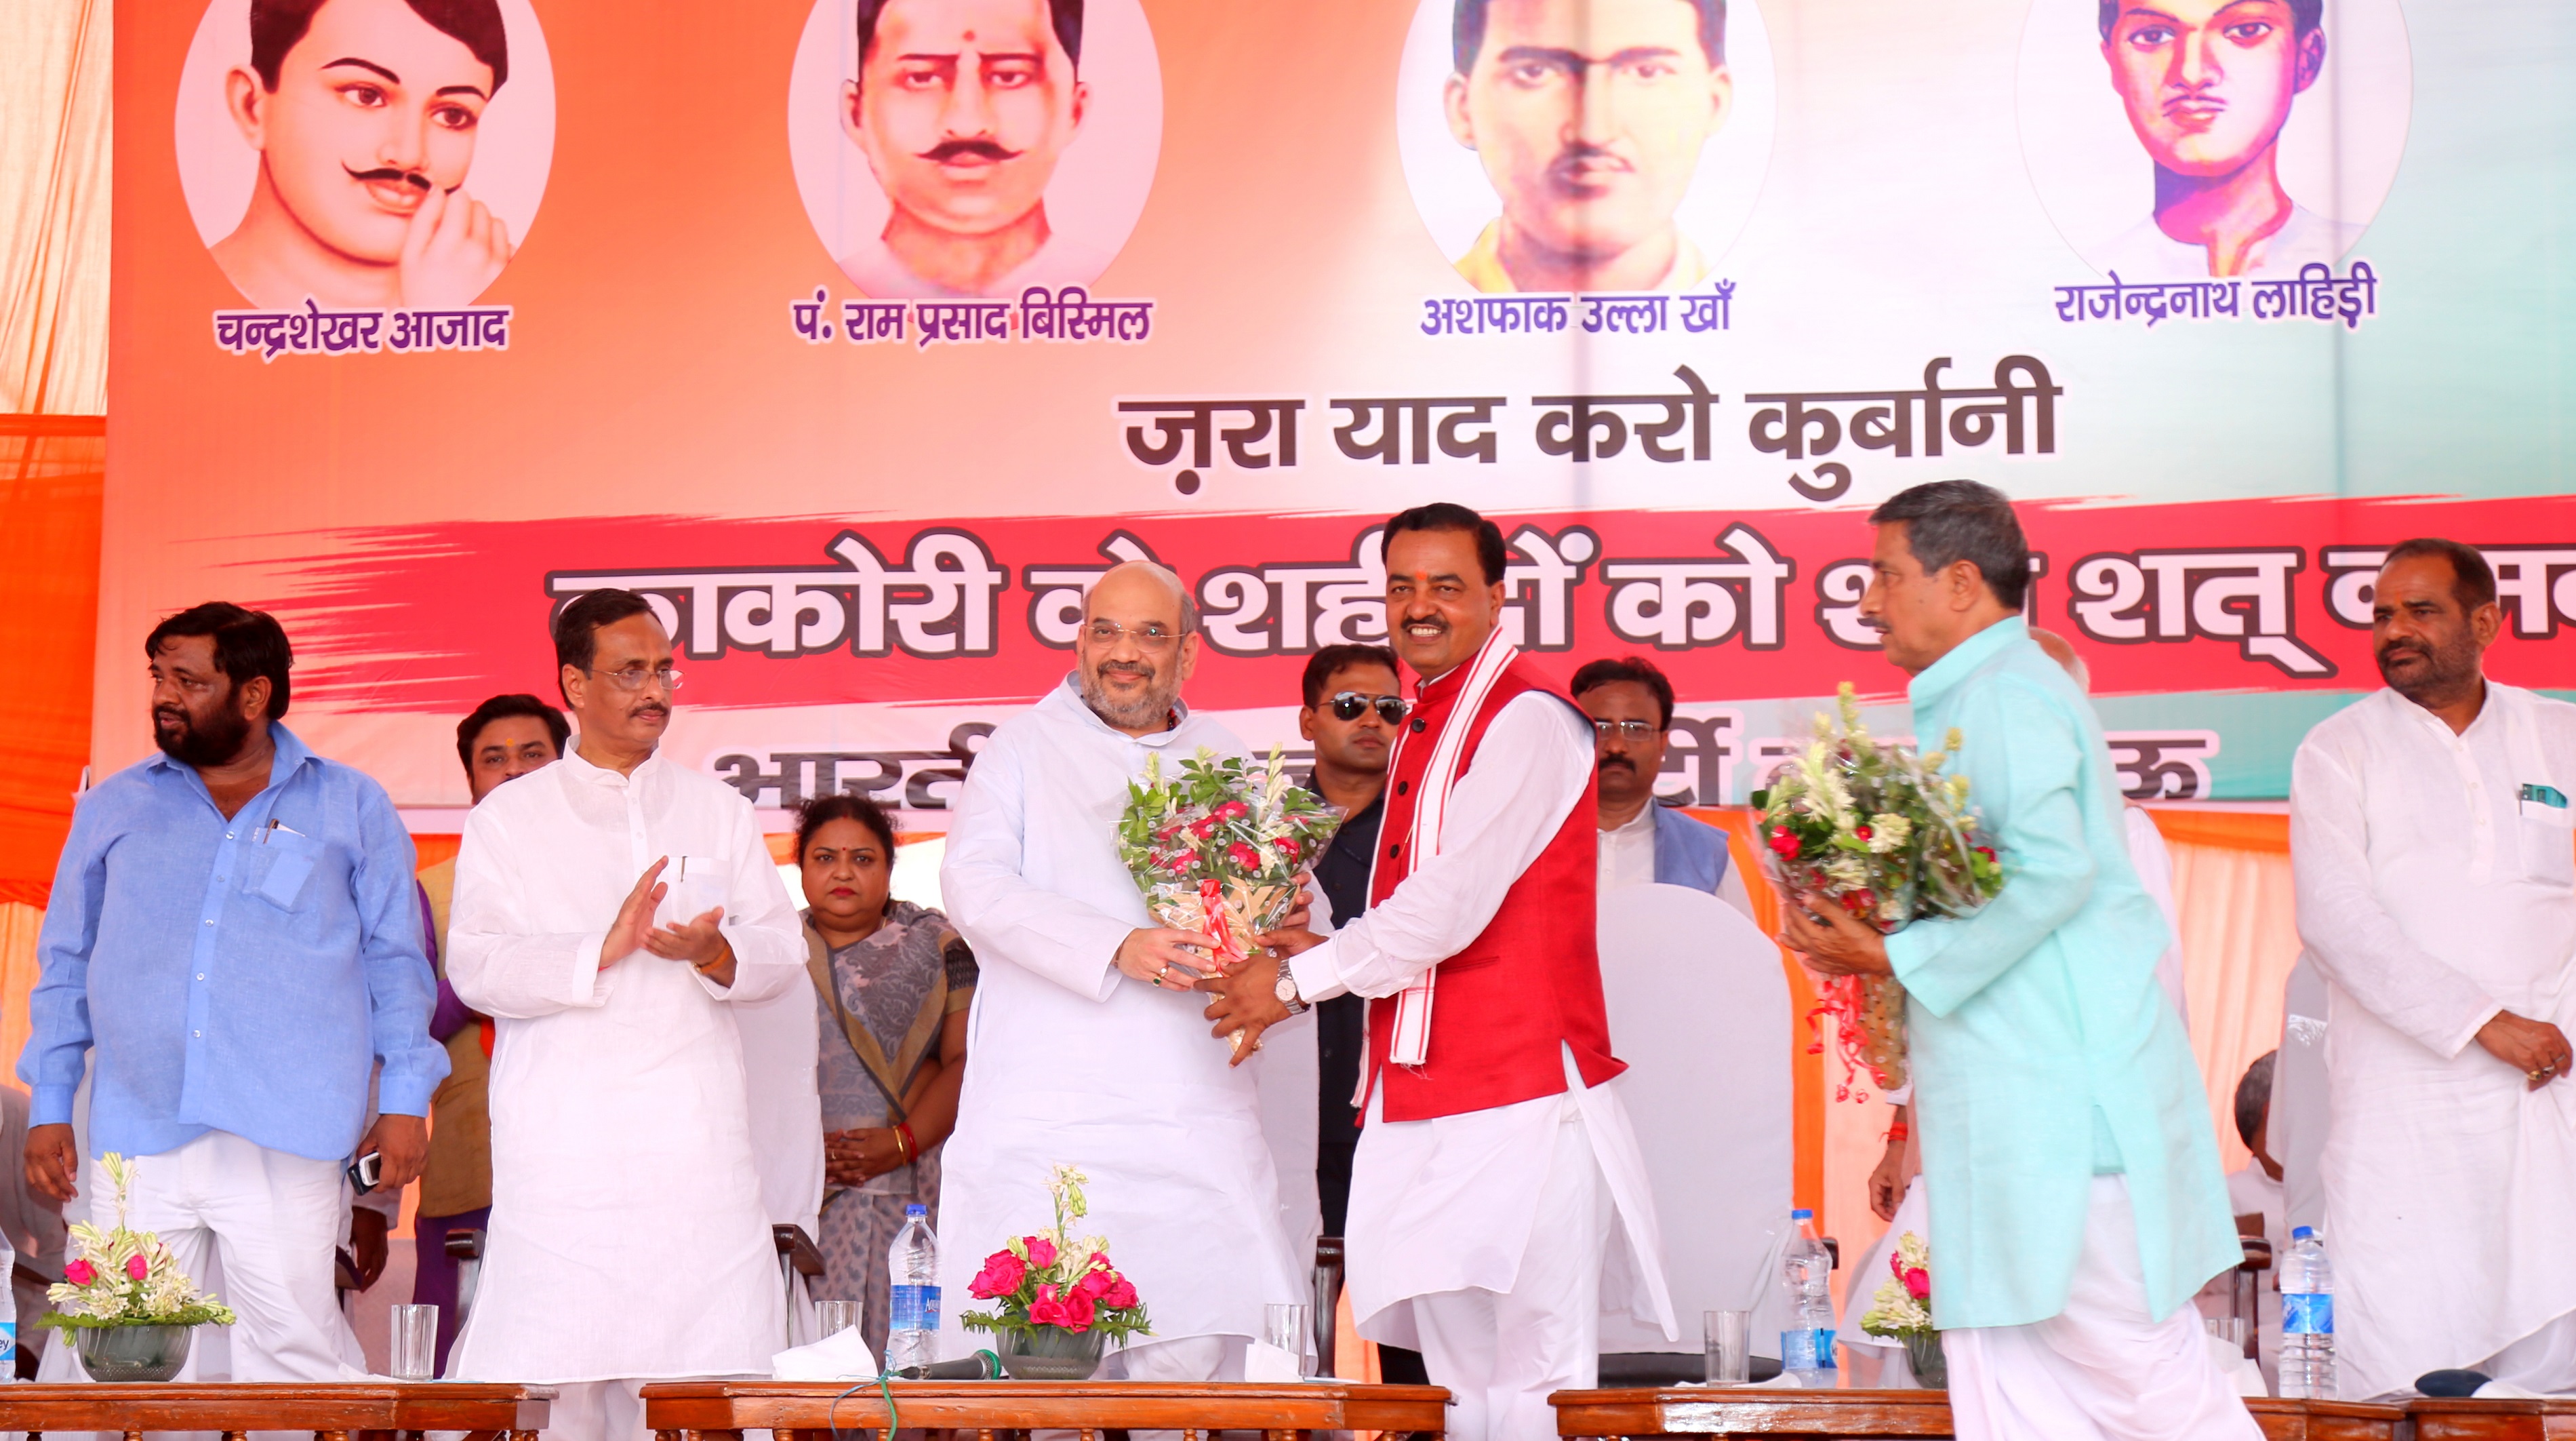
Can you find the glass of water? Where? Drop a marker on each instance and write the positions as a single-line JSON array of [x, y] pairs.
[[1730, 1346], [1283, 1324], [414, 1343], [833, 1317]]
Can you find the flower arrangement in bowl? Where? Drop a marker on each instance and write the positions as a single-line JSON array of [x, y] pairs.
[[125, 1298], [1878, 830], [1218, 848], [1902, 1311], [1059, 1300]]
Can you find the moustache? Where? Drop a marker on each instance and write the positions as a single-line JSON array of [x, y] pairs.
[[1137, 669], [948, 151], [649, 708], [1433, 619], [1608, 761], [2405, 647], [1578, 157], [169, 715], [391, 172]]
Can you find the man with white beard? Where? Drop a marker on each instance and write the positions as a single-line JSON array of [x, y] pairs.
[[2430, 838], [1088, 1045]]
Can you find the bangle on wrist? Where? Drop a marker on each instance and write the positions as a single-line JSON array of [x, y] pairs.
[[905, 1145], [1898, 1130]]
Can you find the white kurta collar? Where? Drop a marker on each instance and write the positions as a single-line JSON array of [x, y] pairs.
[[1066, 700], [580, 769]]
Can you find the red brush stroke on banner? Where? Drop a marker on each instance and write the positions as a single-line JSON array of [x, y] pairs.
[[435, 618]]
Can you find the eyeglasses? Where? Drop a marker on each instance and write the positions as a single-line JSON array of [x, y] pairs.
[[1348, 704], [1150, 637], [1631, 730], [634, 677]]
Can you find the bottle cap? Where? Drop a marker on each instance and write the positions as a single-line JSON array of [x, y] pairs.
[[2301, 1233], [916, 1209], [1802, 1214]]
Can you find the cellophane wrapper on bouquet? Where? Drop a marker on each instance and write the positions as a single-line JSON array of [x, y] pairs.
[[1219, 846], [1875, 828]]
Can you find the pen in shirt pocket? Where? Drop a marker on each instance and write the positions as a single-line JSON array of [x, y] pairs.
[[273, 827]]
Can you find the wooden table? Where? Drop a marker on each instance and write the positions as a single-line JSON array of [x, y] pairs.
[[330, 1411], [1902, 1415], [2474, 1420], [726, 1409]]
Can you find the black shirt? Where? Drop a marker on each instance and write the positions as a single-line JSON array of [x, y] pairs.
[[1342, 874]]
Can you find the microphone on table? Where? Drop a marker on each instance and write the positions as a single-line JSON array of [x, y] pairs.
[[982, 1366]]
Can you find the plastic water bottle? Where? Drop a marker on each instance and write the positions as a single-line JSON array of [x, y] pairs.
[[912, 1329], [1806, 1280], [8, 1315], [2307, 1319]]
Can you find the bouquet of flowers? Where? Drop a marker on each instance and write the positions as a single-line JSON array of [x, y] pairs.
[[120, 1277], [1051, 1281], [1218, 847], [1901, 1310], [1879, 831]]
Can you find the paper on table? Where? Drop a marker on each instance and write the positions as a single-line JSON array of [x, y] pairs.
[[1263, 1362], [841, 1356]]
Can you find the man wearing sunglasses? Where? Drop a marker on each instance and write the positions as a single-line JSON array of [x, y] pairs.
[[612, 913], [1354, 703], [1631, 705]]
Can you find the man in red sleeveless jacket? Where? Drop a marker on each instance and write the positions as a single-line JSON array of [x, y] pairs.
[[1495, 1154]]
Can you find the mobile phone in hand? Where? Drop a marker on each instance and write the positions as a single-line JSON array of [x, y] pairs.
[[365, 1171]]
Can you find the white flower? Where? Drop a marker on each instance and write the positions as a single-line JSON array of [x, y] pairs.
[[1888, 831]]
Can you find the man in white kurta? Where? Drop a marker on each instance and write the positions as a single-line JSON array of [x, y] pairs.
[[2431, 841], [1086, 1051], [1479, 1233], [629, 1241]]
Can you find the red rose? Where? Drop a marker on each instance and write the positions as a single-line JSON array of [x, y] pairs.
[[1203, 827], [1041, 1251], [1046, 1310], [1918, 1283], [1861, 832], [1232, 809], [1079, 1311], [1858, 901], [1121, 1293], [1001, 1276], [1243, 856], [1287, 846], [137, 1268], [1987, 851], [1783, 842], [1095, 1283], [80, 1273]]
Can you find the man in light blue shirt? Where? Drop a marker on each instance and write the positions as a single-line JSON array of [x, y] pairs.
[[2076, 1200], [235, 933]]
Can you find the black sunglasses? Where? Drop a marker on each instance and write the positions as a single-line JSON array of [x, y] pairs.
[[1348, 704]]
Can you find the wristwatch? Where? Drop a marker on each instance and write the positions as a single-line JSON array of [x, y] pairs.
[[1286, 991]]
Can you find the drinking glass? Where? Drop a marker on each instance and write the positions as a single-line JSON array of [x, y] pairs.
[[1730, 1346], [831, 1318], [414, 1343], [1283, 1324]]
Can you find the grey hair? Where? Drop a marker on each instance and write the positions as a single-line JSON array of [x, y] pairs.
[[1948, 521]]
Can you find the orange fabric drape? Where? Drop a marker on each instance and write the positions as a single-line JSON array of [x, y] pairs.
[[54, 168], [2238, 916], [52, 469]]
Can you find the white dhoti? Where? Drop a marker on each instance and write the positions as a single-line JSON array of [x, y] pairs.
[[2103, 1369], [1501, 1353], [1479, 1240], [2544, 1361], [272, 1220], [598, 1411]]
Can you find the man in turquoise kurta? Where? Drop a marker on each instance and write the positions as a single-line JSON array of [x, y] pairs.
[[2075, 1192]]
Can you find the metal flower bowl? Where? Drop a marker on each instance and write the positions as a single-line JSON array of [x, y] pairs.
[[133, 1353]]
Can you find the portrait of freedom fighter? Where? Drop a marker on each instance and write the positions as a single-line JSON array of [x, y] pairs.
[[1589, 117], [364, 114], [2208, 84], [963, 108]]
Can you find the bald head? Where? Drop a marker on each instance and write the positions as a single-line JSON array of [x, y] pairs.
[[1143, 588], [1138, 642], [2064, 654]]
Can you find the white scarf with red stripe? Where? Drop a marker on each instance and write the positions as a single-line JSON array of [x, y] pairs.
[[1411, 1043]]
